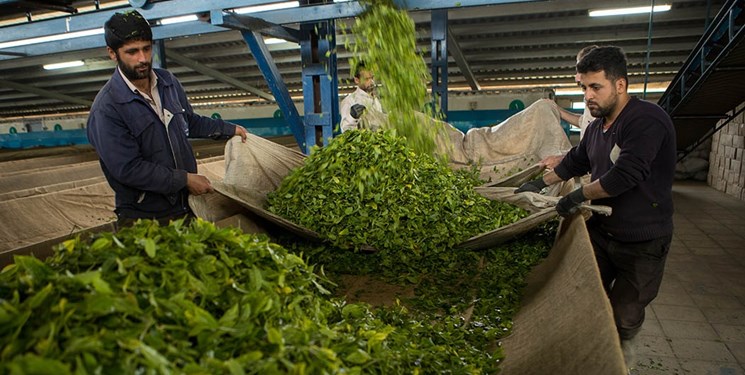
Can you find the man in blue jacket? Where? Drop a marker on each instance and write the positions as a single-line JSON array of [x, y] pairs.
[[139, 124], [630, 151]]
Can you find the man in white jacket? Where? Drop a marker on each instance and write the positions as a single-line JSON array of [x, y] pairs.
[[362, 99]]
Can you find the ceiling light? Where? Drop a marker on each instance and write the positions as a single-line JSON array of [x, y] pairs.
[[631, 90], [264, 8], [632, 10], [62, 65], [274, 41], [51, 38], [578, 105], [172, 20]]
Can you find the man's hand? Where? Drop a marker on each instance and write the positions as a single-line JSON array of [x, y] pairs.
[[241, 131], [551, 162], [198, 184], [356, 111], [534, 186], [569, 204]]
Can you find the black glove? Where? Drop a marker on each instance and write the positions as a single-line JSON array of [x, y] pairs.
[[534, 186], [569, 204], [356, 111]]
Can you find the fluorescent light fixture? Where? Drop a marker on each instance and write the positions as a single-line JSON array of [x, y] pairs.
[[632, 90], [172, 20], [578, 105], [264, 8], [649, 89], [51, 38], [625, 11], [274, 41], [62, 65]]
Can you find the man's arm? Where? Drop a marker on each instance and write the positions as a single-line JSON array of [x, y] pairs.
[[120, 153], [206, 127], [594, 190], [347, 121], [570, 117]]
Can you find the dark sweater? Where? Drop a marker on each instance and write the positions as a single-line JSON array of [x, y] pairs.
[[639, 180]]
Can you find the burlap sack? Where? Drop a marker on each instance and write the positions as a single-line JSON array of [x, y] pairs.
[[257, 167]]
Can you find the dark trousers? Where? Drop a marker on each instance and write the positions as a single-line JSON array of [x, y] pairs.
[[123, 222], [631, 273]]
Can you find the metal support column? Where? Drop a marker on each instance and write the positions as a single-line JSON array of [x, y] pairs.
[[159, 54], [440, 61], [320, 82], [271, 73]]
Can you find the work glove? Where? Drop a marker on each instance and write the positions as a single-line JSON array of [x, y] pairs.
[[356, 111], [569, 204], [534, 186]]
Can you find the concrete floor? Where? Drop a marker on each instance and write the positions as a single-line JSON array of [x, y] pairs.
[[696, 325]]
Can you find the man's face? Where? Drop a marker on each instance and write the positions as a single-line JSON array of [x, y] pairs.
[[366, 81], [134, 59], [601, 94]]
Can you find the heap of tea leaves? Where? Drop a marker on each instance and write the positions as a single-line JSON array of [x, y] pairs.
[[369, 188], [467, 297], [385, 38], [198, 299]]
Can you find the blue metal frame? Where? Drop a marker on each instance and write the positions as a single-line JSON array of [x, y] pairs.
[[269, 69], [173, 8], [159, 54], [439, 61], [320, 82], [317, 39]]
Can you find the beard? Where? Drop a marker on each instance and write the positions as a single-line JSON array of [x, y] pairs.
[[132, 73], [369, 89], [599, 111]]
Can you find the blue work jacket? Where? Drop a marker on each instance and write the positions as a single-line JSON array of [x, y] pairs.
[[145, 161]]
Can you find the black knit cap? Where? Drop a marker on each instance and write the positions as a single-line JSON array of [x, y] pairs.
[[124, 27]]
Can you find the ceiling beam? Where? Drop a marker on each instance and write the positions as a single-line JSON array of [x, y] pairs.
[[555, 7], [201, 68], [45, 93], [457, 54]]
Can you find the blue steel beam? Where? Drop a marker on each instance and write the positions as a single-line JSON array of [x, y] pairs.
[[320, 83], [159, 54], [248, 23], [166, 9], [460, 60], [97, 41], [439, 61], [269, 69]]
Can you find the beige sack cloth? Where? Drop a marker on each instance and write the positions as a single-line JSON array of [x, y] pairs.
[[565, 322], [503, 149], [38, 218], [513, 145]]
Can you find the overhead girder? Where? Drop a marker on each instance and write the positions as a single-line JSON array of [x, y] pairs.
[[216, 74], [44, 93], [460, 59], [167, 9]]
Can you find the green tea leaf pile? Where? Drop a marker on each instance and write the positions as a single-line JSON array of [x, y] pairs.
[[196, 299], [369, 188], [191, 299]]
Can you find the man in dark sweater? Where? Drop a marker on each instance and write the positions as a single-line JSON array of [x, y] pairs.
[[630, 152]]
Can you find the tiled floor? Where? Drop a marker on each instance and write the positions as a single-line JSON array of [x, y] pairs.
[[697, 323]]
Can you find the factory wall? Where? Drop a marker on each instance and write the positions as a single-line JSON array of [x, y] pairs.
[[457, 102], [727, 169]]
